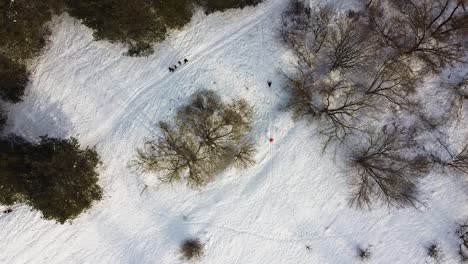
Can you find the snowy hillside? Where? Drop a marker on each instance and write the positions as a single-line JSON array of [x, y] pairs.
[[291, 207]]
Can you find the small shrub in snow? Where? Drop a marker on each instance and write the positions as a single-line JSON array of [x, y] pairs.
[[191, 249], [140, 23], [364, 254], [425, 30], [54, 176], [435, 252], [206, 137]]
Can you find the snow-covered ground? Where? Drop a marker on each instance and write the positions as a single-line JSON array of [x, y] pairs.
[[291, 207]]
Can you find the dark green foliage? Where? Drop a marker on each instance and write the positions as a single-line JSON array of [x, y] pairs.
[[206, 137], [54, 176], [22, 27], [211, 6], [15, 160], [191, 249], [138, 23], [13, 80], [353, 69], [3, 119]]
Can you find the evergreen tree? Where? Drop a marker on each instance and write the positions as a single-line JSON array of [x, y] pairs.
[[54, 176], [138, 23], [13, 80], [14, 168]]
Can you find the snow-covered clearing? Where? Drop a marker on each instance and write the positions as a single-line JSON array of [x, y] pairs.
[[291, 207]]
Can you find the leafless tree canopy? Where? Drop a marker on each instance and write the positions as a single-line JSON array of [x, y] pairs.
[[380, 169], [305, 31], [424, 29], [453, 161], [356, 68], [458, 93], [205, 138], [192, 249], [348, 45], [329, 102]]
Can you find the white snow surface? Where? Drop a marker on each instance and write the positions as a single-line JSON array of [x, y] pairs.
[[291, 207]]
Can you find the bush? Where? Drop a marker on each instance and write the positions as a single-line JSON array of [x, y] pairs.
[[191, 249], [434, 252], [364, 253], [13, 80], [54, 176], [206, 137]]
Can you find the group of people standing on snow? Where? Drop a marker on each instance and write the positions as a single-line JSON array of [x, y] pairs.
[[174, 67]]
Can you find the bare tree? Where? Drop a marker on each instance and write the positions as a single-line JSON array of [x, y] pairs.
[[380, 169], [393, 81], [349, 46], [457, 161], [305, 30], [423, 29], [206, 137], [333, 104], [192, 248], [434, 251], [364, 253]]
